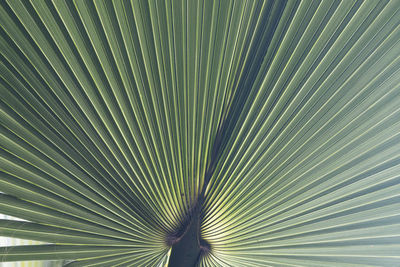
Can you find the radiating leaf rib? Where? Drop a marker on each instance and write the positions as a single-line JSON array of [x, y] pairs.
[[57, 188], [274, 123], [33, 212], [121, 260], [54, 252], [57, 235]]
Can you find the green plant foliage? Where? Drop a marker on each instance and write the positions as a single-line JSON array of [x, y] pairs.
[[275, 124]]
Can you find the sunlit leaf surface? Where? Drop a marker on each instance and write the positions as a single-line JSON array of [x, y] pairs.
[[115, 116]]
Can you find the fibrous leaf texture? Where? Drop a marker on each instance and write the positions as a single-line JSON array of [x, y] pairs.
[[232, 133]]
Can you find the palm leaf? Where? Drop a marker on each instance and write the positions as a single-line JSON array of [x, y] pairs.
[[208, 133]]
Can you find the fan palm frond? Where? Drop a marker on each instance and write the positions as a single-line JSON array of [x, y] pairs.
[[207, 133]]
